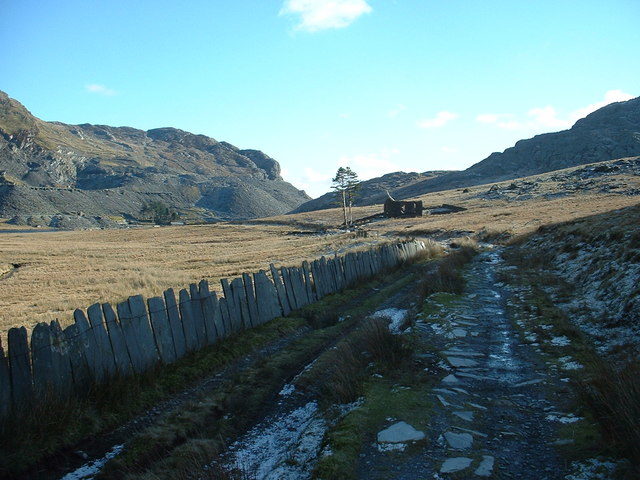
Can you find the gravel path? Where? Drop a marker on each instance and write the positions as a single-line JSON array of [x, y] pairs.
[[496, 412]]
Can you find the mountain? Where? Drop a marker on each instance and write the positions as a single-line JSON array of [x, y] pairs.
[[51, 172], [371, 191], [610, 132]]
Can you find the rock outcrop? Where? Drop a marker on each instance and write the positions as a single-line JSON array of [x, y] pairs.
[[50, 169]]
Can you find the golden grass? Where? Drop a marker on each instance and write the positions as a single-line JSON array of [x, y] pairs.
[[62, 271]]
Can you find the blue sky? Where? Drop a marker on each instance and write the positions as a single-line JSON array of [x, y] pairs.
[[380, 85]]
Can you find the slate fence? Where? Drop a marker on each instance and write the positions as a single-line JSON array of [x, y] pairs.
[[137, 335]]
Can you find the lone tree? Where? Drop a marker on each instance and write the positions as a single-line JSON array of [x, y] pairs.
[[345, 185]]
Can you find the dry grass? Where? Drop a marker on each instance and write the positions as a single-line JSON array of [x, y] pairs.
[[65, 270]]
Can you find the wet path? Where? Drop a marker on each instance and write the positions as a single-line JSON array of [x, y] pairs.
[[491, 409]]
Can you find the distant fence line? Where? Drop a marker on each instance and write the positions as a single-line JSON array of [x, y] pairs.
[[138, 335]]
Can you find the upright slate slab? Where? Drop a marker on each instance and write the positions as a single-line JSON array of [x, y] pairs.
[[118, 343], [218, 319], [240, 301], [198, 315], [251, 299], [42, 361], [147, 342], [21, 380], [306, 270], [78, 359], [175, 323], [226, 317], [105, 353], [233, 308], [282, 294], [61, 360], [87, 341], [299, 290], [5, 384], [318, 280], [288, 288], [161, 329], [131, 336], [209, 311], [190, 333], [266, 297]]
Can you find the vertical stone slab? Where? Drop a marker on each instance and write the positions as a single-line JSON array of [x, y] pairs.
[[209, 312], [5, 385], [226, 317], [161, 329], [266, 297], [288, 288], [328, 274], [218, 320], [118, 344], [131, 336], [148, 349], [306, 271], [77, 357], [251, 299], [42, 361], [235, 313], [198, 315], [19, 368], [61, 361], [282, 294], [105, 354], [240, 302], [87, 342], [317, 281], [299, 287], [190, 333], [175, 323]]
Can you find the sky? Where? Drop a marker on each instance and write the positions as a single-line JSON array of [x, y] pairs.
[[377, 85]]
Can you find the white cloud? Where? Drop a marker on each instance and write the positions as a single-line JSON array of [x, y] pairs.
[[609, 97], [544, 119], [441, 119], [395, 111], [446, 149], [370, 165], [316, 15], [100, 90]]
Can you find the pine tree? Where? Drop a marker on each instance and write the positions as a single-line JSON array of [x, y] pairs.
[[345, 185]]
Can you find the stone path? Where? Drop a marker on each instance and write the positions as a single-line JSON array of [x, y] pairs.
[[490, 414]]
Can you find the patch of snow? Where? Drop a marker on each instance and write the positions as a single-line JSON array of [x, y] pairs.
[[281, 448], [570, 418], [287, 390], [391, 447], [592, 469], [560, 341], [88, 470], [567, 363], [396, 316]]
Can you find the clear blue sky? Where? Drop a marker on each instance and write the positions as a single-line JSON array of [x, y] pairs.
[[380, 85]]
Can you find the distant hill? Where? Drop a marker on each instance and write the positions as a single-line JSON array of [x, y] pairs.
[[611, 132], [91, 174], [371, 191]]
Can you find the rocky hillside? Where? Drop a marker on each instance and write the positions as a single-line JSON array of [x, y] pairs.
[[608, 133], [92, 174], [371, 191]]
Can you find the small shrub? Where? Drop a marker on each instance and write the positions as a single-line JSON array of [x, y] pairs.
[[447, 277], [614, 398]]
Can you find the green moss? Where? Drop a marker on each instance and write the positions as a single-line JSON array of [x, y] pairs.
[[382, 399]]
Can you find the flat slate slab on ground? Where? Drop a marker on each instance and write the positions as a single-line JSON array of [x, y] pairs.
[[400, 432]]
